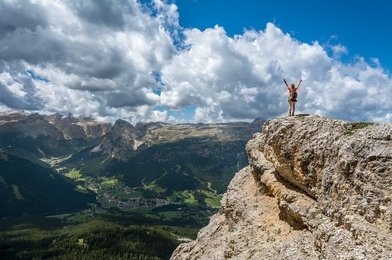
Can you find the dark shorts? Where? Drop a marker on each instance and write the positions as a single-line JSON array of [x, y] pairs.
[[292, 101]]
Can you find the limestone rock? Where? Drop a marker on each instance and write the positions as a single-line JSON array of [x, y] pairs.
[[315, 188], [83, 129], [121, 141], [21, 125]]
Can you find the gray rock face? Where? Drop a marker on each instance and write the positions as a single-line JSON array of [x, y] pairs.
[[124, 138], [55, 125], [78, 128], [22, 125], [315, 188], [121, 141], [34, 136]]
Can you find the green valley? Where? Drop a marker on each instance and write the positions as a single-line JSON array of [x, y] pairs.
[[123, 192]]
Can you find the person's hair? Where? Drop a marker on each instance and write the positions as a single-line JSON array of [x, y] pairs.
[[292, 85]]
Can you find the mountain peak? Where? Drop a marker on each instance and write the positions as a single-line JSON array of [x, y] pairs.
[[315, 188], [121, 141], [122, 123]]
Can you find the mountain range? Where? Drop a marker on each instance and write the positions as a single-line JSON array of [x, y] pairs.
[[74, 187], [162, 162]]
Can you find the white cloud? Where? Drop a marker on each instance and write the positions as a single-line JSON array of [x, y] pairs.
[[108, 58], [159, 116], [12, 86], [95, 56], [242, 78]]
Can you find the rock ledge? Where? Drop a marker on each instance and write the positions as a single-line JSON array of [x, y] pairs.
[[315, 188]]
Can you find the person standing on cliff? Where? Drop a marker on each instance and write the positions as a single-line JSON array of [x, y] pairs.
[[292, 98]]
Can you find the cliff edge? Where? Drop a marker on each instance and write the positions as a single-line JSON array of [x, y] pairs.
[[315, 188]]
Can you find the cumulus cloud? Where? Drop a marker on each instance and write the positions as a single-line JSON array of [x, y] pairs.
[[17, 89], [241, 77], [92, 57], [123, 59]]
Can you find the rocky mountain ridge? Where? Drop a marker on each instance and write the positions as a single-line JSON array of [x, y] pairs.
[[33, 136], [119, 140], [124, 138], [74, 128], [55, 125], [27, 125], [315, 188]]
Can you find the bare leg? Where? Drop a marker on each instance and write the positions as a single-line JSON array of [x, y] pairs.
[[293, 108], [289, 108]]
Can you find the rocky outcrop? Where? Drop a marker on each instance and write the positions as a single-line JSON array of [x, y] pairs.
[[21, 125], [81, 129], [315, 188], [55, 125], [121, 141], [124, 139]]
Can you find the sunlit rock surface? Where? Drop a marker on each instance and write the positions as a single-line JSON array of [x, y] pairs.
[[315, 188]]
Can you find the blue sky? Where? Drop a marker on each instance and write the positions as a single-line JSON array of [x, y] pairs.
[[196, 60], [362, 26]]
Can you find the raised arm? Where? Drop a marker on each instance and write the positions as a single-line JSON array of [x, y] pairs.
[[299, 83], [285, 82]]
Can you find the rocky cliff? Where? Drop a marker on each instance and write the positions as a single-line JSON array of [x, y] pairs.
[[82, 129], [315, 188], [121, 141], [33, 136], [124, 139], [55, 125]]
